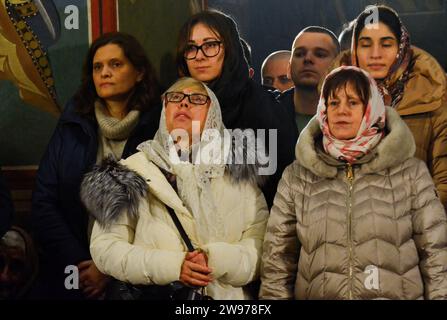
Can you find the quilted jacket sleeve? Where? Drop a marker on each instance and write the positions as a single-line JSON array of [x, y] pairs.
[[281, 245], [115, 254], [430, 233]]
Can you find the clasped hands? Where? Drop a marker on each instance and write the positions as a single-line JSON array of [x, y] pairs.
[[195, 271]]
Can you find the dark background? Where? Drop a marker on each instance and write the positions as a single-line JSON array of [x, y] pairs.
[[270, 25]]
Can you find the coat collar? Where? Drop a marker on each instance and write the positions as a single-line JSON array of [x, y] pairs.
[[113, 188], [145, 120], [156, 181]]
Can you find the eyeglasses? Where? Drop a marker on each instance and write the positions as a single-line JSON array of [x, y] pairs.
[[194, 98], [209, 49]]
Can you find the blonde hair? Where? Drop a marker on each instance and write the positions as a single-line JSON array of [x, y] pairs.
[[187, 82]]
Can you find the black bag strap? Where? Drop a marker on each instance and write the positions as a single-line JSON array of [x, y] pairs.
[[180, 228], [174, 217]]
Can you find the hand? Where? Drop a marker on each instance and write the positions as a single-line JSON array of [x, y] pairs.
[[92, 282], [197, 257], [195, 274]]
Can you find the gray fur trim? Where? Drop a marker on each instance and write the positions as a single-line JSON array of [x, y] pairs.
[[111, 188], [248, 170], [306, 153]]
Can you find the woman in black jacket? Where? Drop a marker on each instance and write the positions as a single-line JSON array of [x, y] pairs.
[[116, 108], [209, 49]]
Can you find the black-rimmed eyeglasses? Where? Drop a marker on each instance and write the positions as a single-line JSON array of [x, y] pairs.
[[209, 49], [194, 98]]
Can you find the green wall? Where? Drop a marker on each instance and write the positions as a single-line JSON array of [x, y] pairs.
[[156, 24], [24, 129]]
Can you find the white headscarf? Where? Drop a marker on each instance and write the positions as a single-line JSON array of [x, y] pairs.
[[193, 179]]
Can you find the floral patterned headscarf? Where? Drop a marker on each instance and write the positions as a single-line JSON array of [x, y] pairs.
[[371, 129]]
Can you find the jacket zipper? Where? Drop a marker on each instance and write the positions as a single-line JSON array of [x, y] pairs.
[[350, 178]]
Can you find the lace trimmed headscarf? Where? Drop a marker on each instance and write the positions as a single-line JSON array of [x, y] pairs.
[[194, 174], [371, 128]]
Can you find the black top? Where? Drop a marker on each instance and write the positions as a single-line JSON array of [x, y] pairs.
[[246, 104]]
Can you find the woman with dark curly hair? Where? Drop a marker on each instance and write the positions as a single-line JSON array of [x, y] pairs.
[[116, 108]]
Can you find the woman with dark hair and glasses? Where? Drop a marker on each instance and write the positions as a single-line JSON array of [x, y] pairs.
[[222, 211], [116, 108], [209, 49]]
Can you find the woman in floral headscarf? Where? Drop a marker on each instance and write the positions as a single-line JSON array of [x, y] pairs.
[[185, 168], [409, 79], [356, 215]]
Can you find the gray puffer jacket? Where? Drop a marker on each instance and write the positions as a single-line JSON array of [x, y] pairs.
[[376, 230]]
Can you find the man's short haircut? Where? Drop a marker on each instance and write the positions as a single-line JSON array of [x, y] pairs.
[[318, 29], [274, 56]]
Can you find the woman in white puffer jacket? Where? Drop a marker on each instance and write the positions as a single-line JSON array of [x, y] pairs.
[[223, 212]]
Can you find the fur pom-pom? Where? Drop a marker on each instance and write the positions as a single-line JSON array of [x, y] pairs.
[[110, 190]]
